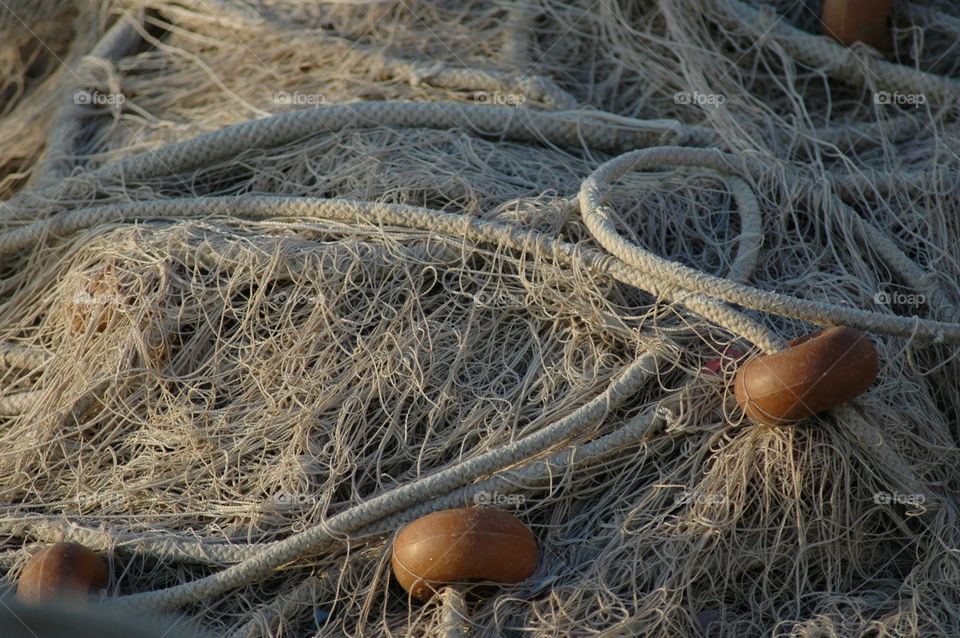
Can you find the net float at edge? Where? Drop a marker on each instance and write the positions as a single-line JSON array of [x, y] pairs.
[[817, 372], [462, 544]]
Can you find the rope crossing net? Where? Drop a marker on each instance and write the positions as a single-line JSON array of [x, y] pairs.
[[277, 278]]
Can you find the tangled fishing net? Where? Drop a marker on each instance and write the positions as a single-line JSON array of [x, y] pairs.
[[288, 275]]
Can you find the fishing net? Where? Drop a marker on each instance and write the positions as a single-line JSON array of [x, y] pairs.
[[277, 278]]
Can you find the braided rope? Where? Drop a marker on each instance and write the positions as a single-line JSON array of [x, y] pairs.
[[594, 129], [281, 552], [13, 404], [698, 291], [392, 215], [598, 217], [840, 62], [63, 146], [172, 548], [26, 357]]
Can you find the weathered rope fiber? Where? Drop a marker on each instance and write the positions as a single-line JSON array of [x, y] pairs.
[[841, 62], [119, 40], [597, 216], [287, 550], [569, 128], [242, 345]]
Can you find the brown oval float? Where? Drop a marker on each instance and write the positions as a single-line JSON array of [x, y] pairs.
[[849, 21], [462, 544], [819, 371], [61, 570]]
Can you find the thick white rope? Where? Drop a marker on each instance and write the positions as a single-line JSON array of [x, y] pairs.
[[597, 216], [837, 60], [472, 229], [169, 547], [453, 613], [476, 230], [599, 219], [744, 246], [432, 72], [304, 543], [25, 357], [18, 402], [594, 129], [62, 148]]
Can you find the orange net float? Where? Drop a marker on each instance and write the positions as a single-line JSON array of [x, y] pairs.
[[462, 544], [817, 372], [62, 571], [849, 21], [436, 553]]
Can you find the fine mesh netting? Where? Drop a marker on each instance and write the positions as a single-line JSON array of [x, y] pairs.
[[278, 278]]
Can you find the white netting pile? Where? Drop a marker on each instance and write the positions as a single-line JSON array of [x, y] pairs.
[[277, 278]]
